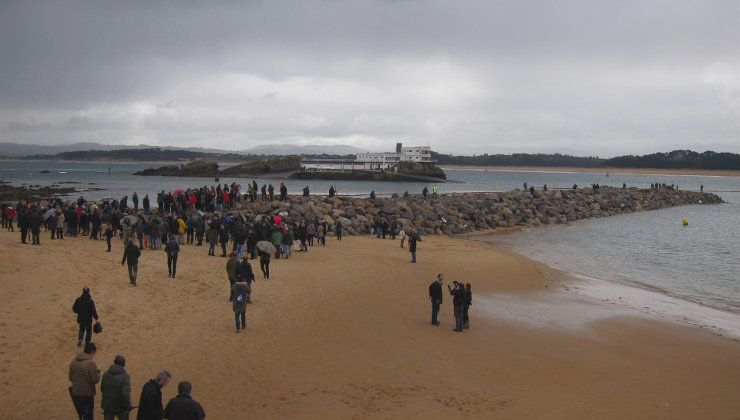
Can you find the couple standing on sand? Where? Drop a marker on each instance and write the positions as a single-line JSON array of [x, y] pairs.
[[462, 298]]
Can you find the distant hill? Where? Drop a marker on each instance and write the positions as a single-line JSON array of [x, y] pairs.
[[17, 150], [290, 149]]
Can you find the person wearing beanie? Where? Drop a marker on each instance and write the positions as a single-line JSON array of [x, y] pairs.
[[116, 390]]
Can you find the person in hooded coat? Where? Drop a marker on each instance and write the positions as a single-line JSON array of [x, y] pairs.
[[116, 390]]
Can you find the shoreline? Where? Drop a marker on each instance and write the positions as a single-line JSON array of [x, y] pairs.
[[641, 171]]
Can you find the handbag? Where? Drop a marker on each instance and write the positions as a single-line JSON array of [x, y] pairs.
[[97, 327]]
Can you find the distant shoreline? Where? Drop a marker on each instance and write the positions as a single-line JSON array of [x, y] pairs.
[[642, 171]]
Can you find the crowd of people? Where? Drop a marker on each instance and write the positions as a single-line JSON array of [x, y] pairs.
[[179, 218]]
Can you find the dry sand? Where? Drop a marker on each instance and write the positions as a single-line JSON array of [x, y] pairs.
[[343, 331]]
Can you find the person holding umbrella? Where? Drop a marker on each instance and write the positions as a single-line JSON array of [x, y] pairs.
[[266, 249]]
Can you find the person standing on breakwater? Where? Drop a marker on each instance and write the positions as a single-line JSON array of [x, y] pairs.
[[172, 249], [435, 296], [283, 192], [271, 190]]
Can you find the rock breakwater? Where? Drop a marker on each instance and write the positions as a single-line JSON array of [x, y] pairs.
[[466, 212]]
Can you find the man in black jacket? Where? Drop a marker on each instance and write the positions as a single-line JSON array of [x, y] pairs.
[[244, 273], [172, 249], [458, 301], [150, 402], [131, 254], [84, 307], [183, 406], [435, 295]]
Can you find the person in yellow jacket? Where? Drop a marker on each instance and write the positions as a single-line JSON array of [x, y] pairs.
[[180, 230]]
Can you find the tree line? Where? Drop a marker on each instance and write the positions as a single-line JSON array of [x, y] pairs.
[[677, 159]]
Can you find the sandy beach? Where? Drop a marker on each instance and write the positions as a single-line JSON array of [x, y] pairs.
[[343, 331]]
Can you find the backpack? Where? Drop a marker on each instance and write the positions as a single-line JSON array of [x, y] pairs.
[[239, 298]]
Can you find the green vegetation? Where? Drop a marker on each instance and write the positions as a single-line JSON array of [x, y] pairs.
[[197, 168], [262, 167], [677, 159]]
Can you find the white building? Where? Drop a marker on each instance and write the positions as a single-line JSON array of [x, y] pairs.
[[374, 161]]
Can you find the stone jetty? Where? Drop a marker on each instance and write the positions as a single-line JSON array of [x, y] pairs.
[[459, 213]]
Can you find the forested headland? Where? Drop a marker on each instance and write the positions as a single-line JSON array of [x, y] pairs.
[[677, 159]]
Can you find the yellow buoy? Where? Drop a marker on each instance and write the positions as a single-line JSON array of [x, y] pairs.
[[685, 222]]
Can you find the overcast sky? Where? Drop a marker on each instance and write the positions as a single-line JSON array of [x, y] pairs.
[[583, 77]]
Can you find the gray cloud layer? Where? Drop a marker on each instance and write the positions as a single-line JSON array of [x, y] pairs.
[[583, 77]]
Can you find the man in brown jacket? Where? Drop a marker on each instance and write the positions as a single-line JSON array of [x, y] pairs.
[[84, 374]]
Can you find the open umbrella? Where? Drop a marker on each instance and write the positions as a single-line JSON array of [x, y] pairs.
[[413, 234], [178, 192], [266, 246], [49, 213]]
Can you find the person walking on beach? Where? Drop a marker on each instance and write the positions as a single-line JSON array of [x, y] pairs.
[[435, 296], [265, 263], [458, 302], [402, 235], [244, 273], [150, 401], [108, 236], [231, 265], [131, 255], [466, 306], [84, 374], [240, 292], [84, 307], [115, 388], [172, 249], [183, 406]]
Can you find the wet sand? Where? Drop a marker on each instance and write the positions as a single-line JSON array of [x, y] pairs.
[[343, 331]]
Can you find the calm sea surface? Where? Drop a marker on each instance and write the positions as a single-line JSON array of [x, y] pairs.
[[697, 264]]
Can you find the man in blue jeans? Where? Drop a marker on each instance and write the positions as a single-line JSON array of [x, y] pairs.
[[84, 374]]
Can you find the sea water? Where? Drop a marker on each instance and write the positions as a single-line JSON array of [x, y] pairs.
[[648, 261]]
